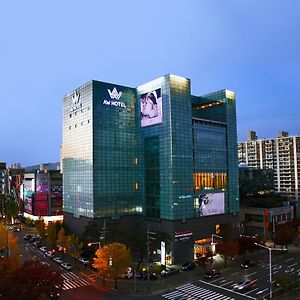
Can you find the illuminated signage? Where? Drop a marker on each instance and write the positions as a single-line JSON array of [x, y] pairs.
[[183, 235], [114, 94], [75, 100]]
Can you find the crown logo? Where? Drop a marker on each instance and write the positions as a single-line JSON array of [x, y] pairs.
[[114, 94], [75, 97]]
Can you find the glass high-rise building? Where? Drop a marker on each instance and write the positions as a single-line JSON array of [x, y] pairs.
[[153, 156]]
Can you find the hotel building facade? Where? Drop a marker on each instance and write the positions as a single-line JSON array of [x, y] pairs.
[[152, 156]]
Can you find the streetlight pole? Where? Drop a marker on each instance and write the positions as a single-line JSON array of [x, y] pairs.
[[95, 243], [212, 241], [270, 263]]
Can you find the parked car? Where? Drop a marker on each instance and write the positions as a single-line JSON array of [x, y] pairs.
[[247, 264], [58, 260], [66, 266], [50, 254], [190, 265], [33, 239], [37, 244], [44, 249], [244, 284], [169, 271], [84, 260], [212, 274], [27, 237]]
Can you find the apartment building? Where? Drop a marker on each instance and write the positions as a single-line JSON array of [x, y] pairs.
[[282, 154]]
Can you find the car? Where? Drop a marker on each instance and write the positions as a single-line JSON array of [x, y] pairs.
[[276, 268], [244, 284], [27, 237], [247, 264], [190, 265], [84, 260], [50, 254], [33, 239], [58, 260], [169, 271], [15, 229], [289, 270], [66, 266], [44, 249], [37, 244], [212, 274]]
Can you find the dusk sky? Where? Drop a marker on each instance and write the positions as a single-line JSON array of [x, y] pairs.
[[48, 48]]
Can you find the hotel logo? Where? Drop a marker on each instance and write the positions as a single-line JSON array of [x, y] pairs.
[[114, 94]]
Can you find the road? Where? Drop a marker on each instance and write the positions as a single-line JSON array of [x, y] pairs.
[[82, 283]]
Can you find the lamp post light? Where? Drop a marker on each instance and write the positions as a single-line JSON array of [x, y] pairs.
[[95, 243], [212, 242], [270, 263]]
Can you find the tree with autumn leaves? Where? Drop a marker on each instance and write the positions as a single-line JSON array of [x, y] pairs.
[[9, 244], [112, 260]]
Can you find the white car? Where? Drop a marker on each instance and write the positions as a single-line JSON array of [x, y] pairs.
[[66, 266], [44, 249], [58, 260], [50, 254], [84, 260]]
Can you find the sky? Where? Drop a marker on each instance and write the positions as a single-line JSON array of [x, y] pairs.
[[49, 48]]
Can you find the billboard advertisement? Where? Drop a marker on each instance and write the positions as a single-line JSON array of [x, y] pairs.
[[151, 108], [211, 204]]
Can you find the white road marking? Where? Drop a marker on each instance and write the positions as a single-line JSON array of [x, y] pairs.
[[260, 292], [251, 274], [235, 273], [289, 259], [226, 283], [227, 289], [251, 291]]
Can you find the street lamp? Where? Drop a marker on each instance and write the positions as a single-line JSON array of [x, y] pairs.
[[212, 242], [95, 243], [270, 263]]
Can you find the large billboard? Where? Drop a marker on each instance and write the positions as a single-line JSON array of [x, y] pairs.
[[211, 204], [151, 108]]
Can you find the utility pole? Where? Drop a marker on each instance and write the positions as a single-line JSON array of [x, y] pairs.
[[149, 238], [103, 233]]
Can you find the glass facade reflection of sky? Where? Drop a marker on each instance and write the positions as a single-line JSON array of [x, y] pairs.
[[147, 151]]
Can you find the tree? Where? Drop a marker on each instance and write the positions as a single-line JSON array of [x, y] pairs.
[[52, 234], [31, 281], [112, 260], [62, 238], [246, 244], [91, 231], [284, 235], [73, 245], [9, 244], [227, 249], [41, 228], [205, 261]]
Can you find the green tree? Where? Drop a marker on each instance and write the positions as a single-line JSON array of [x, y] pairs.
[[112, 260], [9, 244], [51, 234]]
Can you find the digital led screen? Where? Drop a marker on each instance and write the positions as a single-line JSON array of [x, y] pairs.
[[211, 204], [151, 108]]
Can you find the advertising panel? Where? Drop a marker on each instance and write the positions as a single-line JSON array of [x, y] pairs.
[[211, 204], [151, 108]]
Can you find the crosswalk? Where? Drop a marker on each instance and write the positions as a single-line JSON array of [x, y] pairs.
[[192, 292], [72, 281]]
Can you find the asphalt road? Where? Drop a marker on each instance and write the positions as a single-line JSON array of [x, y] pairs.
[[82, 283]]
